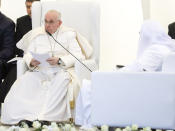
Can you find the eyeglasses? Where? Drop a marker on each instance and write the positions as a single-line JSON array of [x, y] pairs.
[[50, 22]]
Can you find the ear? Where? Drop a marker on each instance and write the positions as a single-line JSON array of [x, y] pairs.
[[60, 22]]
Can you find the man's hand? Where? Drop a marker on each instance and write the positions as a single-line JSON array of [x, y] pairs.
[[34, 63], [53, 60]]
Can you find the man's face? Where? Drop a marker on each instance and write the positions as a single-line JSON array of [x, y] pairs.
[[52, 23], [28, 7]]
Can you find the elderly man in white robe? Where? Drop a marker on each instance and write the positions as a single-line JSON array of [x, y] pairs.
[[42, 92], [154, 46]]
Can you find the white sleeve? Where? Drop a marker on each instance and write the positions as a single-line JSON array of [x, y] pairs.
[[27, 56], [152, 58]]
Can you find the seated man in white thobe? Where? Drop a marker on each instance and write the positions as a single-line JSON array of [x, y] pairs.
[[154, 46], [42, 92]]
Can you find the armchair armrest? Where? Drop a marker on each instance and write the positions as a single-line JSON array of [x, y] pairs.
[[82, 72], [21, 67]]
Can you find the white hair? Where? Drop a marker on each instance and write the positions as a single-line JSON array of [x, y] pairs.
[[55, 12]]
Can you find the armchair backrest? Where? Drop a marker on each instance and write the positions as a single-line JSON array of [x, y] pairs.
[[82, 16]]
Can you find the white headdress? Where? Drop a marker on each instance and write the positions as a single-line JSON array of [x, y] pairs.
[[152, 33]]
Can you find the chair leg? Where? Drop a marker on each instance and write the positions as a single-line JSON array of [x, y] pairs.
[[71, 120], [1, 104]]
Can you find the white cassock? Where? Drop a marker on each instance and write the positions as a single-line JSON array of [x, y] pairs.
[[43, 93]]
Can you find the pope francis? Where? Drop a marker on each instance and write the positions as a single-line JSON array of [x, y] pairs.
[[42, 92]]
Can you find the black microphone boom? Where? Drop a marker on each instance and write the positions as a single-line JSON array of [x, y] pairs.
[[68, 51]]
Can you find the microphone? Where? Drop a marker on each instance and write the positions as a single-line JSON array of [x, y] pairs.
[[68, 51]]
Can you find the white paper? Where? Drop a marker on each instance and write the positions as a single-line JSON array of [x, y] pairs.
[[41, 58], [14, 59]]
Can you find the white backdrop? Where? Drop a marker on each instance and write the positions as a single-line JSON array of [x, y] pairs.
[[13, 8], [163, 11], [120, 24]]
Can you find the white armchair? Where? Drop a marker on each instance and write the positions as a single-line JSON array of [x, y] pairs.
[[82, 16]]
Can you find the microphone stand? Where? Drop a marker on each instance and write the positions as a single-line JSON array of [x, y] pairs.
[[68, 51]]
